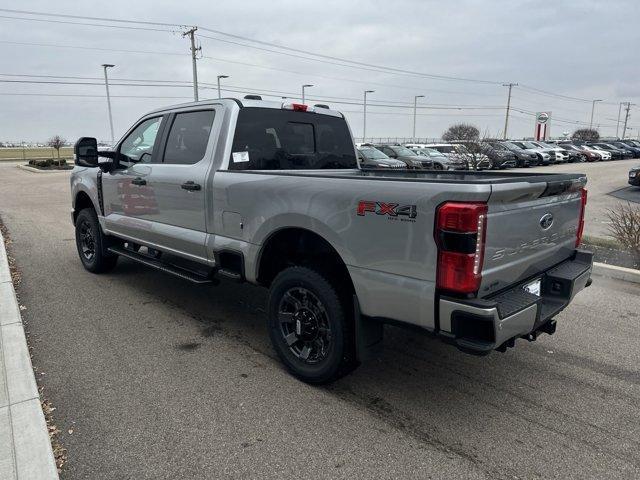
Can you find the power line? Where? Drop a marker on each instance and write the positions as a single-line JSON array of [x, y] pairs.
[[35, 44], [316, 56], [66, 22]]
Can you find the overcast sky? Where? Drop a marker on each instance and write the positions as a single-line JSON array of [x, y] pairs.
[[585, 49]]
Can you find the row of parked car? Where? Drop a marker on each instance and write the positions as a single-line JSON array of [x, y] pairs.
[[492, 154]]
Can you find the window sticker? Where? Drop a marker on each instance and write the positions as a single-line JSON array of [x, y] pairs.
[[240, 157]]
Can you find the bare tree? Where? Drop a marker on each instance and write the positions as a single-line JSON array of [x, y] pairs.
[[587, 134], [463, 132], [624, 224], [56, 142]]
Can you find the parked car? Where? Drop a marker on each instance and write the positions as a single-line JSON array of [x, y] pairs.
[[523, 158], [583, 155], [545, 157], [398, 152], [499, 156], [616, 153], [269, 193], [562, 155], [635, 151], [632, 143], [371, 157], [602, 154], [458, 152], [439, 160], [634, 176]]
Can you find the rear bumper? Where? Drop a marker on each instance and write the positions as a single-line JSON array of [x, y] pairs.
[[481, 325]]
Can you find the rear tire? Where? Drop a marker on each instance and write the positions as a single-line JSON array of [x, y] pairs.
[[92, 243], [310, 327]]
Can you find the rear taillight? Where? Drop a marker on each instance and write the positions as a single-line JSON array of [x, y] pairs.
[[583, 204], [460, 235]]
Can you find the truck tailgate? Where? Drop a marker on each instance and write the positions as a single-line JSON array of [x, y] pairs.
[[530, 228]]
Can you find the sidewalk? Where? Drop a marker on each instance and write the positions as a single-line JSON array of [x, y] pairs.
[[25, 449]]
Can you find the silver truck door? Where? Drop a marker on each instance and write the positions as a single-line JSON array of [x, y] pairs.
[[177, 183], [128, 199]]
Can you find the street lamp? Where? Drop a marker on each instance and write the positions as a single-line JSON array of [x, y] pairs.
[[415, 109], [219, 77], [364, 126], [303, 87], [106, 84], [593, 107]]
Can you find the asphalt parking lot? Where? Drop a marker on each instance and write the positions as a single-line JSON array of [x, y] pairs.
[[153, 377]]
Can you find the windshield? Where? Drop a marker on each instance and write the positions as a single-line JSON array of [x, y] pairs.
[[498, 146], [511, 146], [529, 145], [432, 152], [444, 148], [403, 151], [373, 153]]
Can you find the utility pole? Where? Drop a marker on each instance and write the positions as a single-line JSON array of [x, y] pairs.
[[618, 124], [415, 109], [106, 84], [364, 126], [194, 53], [593, 107], [303, 87], [626, 118], [219, 77], [506, 118]]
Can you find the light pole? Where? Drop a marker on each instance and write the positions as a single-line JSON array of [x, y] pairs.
[[618, 123], [415, 110], [303, 87], [364, 126], [219, 77], [593, 107], [106, 84]]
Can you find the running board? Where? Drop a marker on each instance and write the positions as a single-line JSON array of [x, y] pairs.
[[159, 265]]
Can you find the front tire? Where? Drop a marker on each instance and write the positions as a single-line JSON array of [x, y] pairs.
[[310, 327], [91, 243]]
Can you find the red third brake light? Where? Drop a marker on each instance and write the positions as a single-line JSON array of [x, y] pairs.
[[460, 236], [299, 107], [583, 205]]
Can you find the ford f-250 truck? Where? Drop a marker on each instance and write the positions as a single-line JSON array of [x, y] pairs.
[[270, 193]]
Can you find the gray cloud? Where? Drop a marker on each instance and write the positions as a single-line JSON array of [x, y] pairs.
[[583, 49]]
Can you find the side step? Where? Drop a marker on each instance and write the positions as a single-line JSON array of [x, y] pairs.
[[159, 265]]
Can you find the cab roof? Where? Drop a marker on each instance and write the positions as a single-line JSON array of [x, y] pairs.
[[246, 102]]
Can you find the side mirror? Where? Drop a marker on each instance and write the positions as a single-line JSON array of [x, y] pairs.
[[85, 152]]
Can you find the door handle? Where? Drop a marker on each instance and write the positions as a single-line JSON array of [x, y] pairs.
[[191, 186], [139, 181]]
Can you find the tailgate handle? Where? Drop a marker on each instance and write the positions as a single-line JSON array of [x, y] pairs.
[[191, 186], [139, 181]]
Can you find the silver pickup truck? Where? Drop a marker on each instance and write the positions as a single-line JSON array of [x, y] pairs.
[[270, 193]]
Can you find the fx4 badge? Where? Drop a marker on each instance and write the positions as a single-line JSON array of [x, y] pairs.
[[390, 209]]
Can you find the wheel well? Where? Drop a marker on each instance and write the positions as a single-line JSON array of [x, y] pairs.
[[297, 246], [82, 201]]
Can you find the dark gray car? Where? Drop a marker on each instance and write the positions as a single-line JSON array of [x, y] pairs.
[[411, 158]]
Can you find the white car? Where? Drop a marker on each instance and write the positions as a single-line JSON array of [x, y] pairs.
[[561, 154]]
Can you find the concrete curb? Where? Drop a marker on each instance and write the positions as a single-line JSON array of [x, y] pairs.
[[25, 448], [619, 273], [37, 170]]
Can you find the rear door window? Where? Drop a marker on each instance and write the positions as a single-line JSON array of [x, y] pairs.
[[273, 139], [188, 137]]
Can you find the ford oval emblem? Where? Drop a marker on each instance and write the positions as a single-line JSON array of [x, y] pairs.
[[546, 221]]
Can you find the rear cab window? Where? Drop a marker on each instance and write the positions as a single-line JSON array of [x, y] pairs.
[[273, 139]]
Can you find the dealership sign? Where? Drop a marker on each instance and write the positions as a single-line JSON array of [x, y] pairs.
[[542, 125]]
